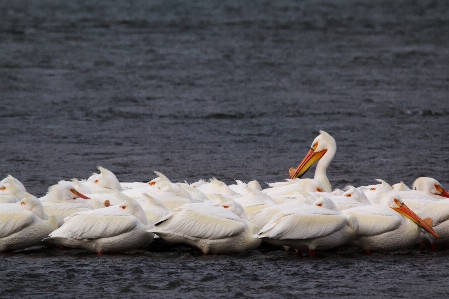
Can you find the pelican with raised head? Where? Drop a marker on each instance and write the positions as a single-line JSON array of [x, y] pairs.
[[323, 150]]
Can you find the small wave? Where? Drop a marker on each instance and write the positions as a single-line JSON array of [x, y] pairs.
[[425, 112]]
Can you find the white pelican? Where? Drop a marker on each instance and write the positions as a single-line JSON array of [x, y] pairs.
[[105, 181], [293, 187], [173, 188], [197, 195], [430, 199], [263, 216], [241, 188], [112, 229], [430, 186], [387, 225], [215, 187], [24, 224], [323, 150], [154, 209], [230, 204], [372, 192], [351, 198], [212, 229], [11, 190], [63, 200], [425, 190], [253, 200], [437, 215], [319, 226], [400, 187]]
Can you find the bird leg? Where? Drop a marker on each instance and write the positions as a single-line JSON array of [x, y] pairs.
[[298, 253]]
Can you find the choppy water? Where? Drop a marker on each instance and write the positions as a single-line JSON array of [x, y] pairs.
[[233, 90]]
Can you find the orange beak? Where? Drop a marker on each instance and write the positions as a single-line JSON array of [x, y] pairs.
[[404, 210], [306, 163], [443, 192], [79, 194]]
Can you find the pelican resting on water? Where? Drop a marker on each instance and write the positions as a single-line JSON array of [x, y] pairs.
[[317, 226], [208, 227], [24, 224], [111, 229]]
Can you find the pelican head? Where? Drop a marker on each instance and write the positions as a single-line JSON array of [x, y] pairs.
[[131, 206], [430, 185], [323, 149], [31, 203], [11, 185], [323, 144], [106, 179], [326, 203], [63, 191]]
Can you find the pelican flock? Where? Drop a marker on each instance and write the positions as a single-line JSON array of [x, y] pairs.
[[101, 214]]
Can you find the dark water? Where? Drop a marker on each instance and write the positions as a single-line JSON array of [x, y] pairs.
[[233, 90]]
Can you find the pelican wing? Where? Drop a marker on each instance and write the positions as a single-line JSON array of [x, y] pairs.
[[437, 210], [215, 223], [297, 225], [14, 218], [374, 220], [91, 225]]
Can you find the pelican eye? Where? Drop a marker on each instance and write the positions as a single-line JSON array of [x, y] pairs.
[[319, 189], [96, 181], [225, 207], [123, 207], [319, 204], [439, 188], [373, 189], [315, 145], [3, 188], [22, 203], [152, 183], [348, 195]]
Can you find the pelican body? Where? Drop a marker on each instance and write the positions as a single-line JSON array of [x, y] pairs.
[[111, 229], [24, 224], [210, 228]]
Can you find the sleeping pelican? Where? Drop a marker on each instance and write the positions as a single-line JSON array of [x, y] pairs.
[[210, 228], [323, 150], [63, 200], [111, 229], [105, 181], [430, 186], [11, 190], [24, 224], [319, 226]]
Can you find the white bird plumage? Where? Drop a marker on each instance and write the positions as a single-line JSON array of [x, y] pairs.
[[210, 228], [323, 150], [111, 229], [24, 224], [11, 190], [317, 226]]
